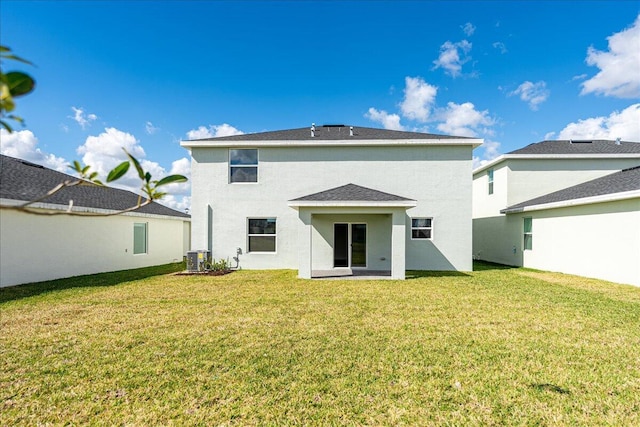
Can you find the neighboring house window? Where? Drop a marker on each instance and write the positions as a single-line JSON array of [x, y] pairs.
[[261, 234], [243, 165], [139, 238], [490, 175], [421, 228], [528, 234]]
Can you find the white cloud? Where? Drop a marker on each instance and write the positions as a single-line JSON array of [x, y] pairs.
[[619, 74], [82, 118], [105, 151], [468, 29], [453, 56], [490, 150], [419, 98], [532, 93], [213, 131], [624, 124], [388, 121], [501, 47], [150, 128], [23, 145], [464, 120]]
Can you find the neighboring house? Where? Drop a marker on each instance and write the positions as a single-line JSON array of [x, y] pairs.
[[34, 248], [334, 198], [567, 206]]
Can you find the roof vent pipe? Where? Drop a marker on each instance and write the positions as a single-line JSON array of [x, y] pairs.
[[350, 130], [313, 130], [617, 141]]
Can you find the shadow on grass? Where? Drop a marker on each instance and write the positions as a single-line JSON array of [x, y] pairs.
[[88, 281], [486, 266], [550, 387], [416, 274]]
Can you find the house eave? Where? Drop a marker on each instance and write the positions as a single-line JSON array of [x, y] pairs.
[[352, 204], [505, 157], [87, 210], [575, 202], [474, 142]]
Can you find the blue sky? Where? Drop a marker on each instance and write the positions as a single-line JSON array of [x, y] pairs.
[[145, 75]]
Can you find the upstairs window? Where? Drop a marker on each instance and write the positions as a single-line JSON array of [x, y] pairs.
[[528, 233], [421, 228], [243, 165], [261, 234], [490, 176]]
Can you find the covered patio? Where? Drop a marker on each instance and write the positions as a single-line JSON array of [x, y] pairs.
[[351, 231]]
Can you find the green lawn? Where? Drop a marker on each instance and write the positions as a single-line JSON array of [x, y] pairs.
[[495, 347]]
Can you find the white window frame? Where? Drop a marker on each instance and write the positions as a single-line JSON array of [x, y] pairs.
[[490, 173], [526, 233], [422, 228], [245, 166], [146, 238], [275, 235]]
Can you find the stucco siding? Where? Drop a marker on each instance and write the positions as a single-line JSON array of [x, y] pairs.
[[530, 178], [378, 239], [498, 239], [437, 177], [599, 240], [485, 204], [36, 248]]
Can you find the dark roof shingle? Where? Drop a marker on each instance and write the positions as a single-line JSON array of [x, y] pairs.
[[23, 180], [330, 132], [625, 180], [351, 193], [580, 147]]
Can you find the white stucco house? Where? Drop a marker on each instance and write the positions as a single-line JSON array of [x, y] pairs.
[[332, 199], [566, 206], [35, 248]]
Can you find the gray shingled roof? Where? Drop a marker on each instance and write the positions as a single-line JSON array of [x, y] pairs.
[[351, 193], [22, 180], [330, 132], [625, 180], [580, 147]]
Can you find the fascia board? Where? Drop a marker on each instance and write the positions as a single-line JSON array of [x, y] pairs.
[[83, 209], [555, 156], [474, 142], [576, 202], [361, 204]]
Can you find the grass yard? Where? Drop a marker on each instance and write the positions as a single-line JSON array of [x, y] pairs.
[[495, 347]]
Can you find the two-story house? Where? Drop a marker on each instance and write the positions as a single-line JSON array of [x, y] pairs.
[[567, 206], [334, 199]]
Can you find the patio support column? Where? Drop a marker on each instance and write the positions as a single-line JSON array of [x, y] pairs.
[[398, 244], [304, 245]]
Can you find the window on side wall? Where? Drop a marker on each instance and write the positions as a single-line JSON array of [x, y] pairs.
[[140, 238], [261, 234], [243, 165], [528, 233], [422, 228], [490, 175]]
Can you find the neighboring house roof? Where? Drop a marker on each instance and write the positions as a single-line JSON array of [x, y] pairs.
[[24, 181], [563, 149], [580, 147], [617, 186], [351, 194], [331, 135]]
